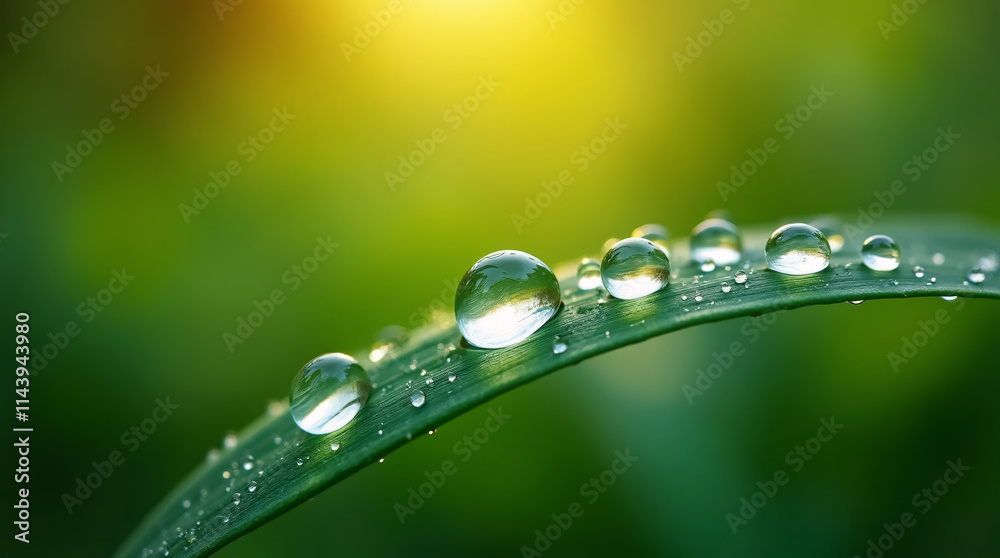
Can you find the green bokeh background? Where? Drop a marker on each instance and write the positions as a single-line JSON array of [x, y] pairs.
[[323, 176]]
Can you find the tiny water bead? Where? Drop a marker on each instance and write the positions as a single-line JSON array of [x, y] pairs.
[[328, 392], [717, 240], [740, 277], [417, 398], [725, 287], [657, 234], [505, 297], [880, 252], [559, 347], [634, 268], [797, 249], [918, 271], [588, 275], [949, 298], [976, 276]]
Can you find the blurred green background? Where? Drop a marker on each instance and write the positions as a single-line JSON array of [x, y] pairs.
[[323, 175]]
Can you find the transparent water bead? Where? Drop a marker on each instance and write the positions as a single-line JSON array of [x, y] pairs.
[[717, 240], [505, 297], [949, 298], [797, 249], [387, 339], [634, 268], [559, 347], [918, 271], [588, 275], [976, 276], [725, 287], [328, 392], [417, 398], [657, 234], [830, 227], [880, 252], [740, 277]]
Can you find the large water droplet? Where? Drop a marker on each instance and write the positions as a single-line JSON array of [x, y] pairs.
[[717, 240], [505, 297], [328, 392], [417, 398], [880, 252], [634, 268], [976, 275], [588, 275], [797, 249], [657, 234]]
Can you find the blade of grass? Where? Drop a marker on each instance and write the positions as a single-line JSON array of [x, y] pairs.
[[288, 466]]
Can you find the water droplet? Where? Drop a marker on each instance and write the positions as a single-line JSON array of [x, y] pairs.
[[797, 249], [226, 474], [989, 263], [225, 520], [684, 297], [381, 460], [430, 381], [697, 298], [559, 347], [379, 432], [236, 499], [830, 227], [229, 442], [634, 268], [335, 446], [505, 297], [607, 334], [855, 302], [717, 240], [657, 234], [938, 259], [252, 487], [248, 464], [976, 276], [328, 392], [275, 408], [725, 287], [918, 271], [949, 298], [451, 378], [299, 462], [417, 398], [881, 253], [933, 279], [740, 277], [277, 440], [186, 504], [387, 339]]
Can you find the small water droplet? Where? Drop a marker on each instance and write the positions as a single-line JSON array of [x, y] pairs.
[[717, 240], [186, 504], [417, 398], [527, 297], [855, 302], [379, 432], [657, 234], [335, 446], [430, 381], [451, 378], [697, 298], [976, 276], [381, 460], [423, 372], [894, 283], [559, 347], [918, 271], [933, 279], [225, 520], [740, 277], [950, 297], [797, 249], [226, 474], [248, 464], [938, 259], [299, 462], [725, 287], [252, 487], [708, 265], [607, 334], [880, 252], [328, 392], [236, 499], [684, 297], [634, 268], [229, 442], [277, 440], [588, 274]]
